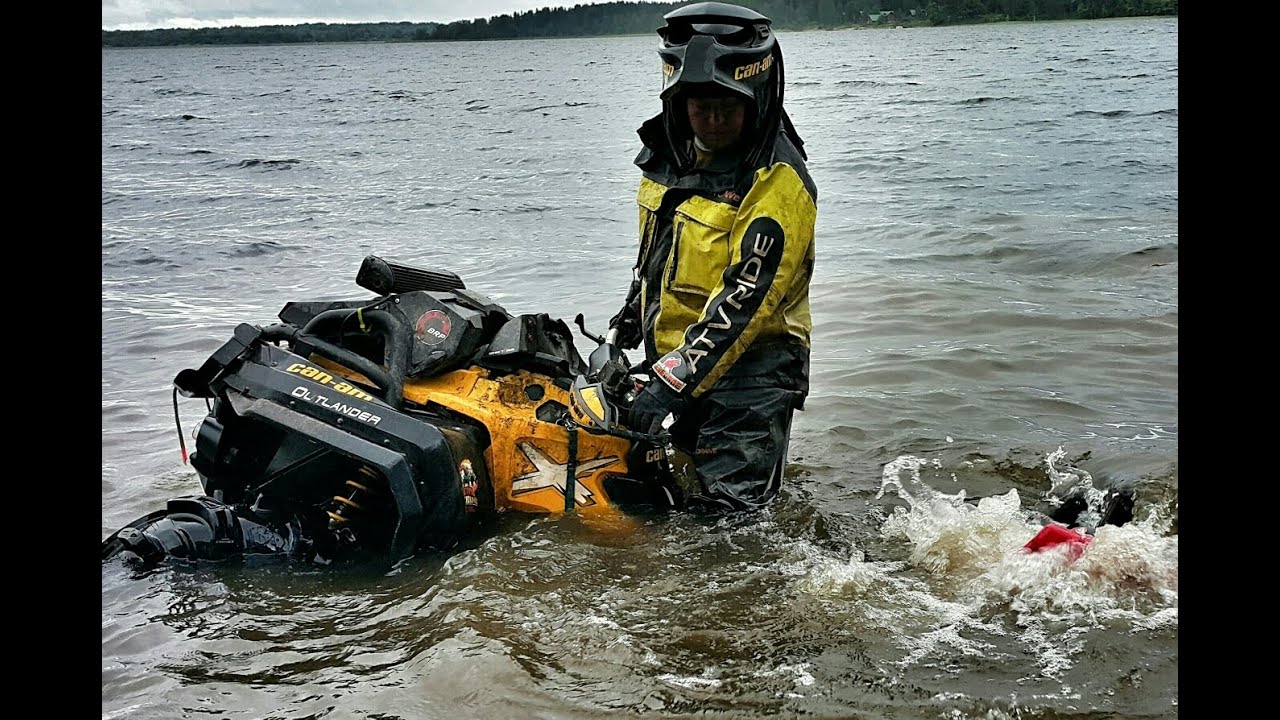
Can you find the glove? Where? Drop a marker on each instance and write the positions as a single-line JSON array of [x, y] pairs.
[[652, 406], [662, 396]]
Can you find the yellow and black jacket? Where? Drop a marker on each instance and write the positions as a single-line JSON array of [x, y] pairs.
[[726, 256]]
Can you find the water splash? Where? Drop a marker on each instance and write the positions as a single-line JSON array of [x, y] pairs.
[[949, 537], [980, 579], [1076, 482], [982, 543]]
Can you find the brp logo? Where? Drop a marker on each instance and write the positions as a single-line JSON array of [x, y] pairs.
[[432, 327]]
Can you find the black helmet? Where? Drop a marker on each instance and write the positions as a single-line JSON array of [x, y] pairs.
[[715, 43], [716, 48]]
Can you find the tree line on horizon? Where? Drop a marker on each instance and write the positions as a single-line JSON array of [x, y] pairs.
[[636, 18]]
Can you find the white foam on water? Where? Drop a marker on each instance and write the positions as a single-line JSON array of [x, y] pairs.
[[822, 575], [799, 673], [1133, 565], [967, 577], [992, 714], [1062, 481], [690, 682]]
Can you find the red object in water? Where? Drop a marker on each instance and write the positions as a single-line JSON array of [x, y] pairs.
[[1052, 535]]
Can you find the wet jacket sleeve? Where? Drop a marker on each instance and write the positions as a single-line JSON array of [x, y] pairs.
[[627, 321], [769, 245]]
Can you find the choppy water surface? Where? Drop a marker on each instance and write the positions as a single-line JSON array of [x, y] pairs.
[[996, 317]]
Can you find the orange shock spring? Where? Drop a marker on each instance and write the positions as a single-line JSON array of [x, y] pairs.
[[342, 507]]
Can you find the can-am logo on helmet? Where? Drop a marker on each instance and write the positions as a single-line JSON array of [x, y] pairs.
[[742, 72], [432, 327]]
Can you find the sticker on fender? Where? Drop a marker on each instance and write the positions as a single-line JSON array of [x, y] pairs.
[[338, 407]]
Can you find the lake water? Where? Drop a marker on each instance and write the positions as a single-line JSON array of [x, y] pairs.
[[995, 315]]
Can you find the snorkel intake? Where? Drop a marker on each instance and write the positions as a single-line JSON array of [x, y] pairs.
[[715, 48]]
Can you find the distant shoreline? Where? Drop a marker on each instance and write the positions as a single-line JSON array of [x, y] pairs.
[[907, 25], [612, 19]]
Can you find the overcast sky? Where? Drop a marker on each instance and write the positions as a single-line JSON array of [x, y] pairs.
[[151, 14]]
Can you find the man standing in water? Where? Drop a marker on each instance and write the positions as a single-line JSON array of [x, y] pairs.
[[720, 296]]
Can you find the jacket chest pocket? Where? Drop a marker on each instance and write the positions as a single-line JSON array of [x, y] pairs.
[[700, 231]]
